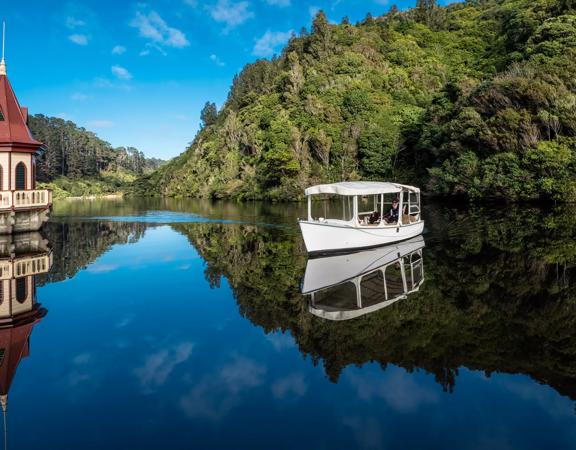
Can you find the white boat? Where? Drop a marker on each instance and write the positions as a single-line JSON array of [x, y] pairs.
[[361, 220], [344, 287]]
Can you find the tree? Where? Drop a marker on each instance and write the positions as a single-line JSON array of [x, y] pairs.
[[209, 114]]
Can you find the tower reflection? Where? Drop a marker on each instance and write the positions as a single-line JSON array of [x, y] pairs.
[[344, 287], [22, 257]]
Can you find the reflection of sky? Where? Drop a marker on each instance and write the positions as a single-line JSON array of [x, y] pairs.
[[137, 351]]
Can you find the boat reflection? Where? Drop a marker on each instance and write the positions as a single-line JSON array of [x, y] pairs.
[[22, 257], [344, 287]]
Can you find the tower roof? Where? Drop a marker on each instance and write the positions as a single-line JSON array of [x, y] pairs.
[[14, 346], [14, 132]]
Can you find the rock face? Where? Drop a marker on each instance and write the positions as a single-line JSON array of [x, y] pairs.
[[471, 99]]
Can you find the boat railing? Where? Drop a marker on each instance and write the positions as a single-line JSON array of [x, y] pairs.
[[29, 198]]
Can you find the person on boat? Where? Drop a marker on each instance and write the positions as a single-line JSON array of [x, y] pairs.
[[392, 216], [374, 218]]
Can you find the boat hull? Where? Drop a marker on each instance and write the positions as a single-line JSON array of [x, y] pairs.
[[326, 238]]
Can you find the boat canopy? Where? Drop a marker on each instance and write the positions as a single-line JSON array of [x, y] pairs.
[[360, 188]]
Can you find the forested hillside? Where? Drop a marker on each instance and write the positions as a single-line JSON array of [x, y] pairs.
[[74, 154], [475, 99]]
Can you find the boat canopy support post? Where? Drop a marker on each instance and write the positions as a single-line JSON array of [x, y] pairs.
[[309, 198], [400, 206]]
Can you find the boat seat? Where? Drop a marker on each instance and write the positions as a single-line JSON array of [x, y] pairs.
[[406, 218]]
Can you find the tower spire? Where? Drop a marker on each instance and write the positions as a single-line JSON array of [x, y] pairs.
[[2, 62]]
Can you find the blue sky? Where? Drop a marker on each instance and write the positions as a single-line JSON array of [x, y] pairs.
[[138, 73]]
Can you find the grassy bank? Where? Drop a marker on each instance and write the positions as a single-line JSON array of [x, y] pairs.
[[106, 183]]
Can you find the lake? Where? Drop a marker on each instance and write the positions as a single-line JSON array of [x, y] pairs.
[[182, 324]]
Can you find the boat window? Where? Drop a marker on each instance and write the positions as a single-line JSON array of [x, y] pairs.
[[414, 269], [339, 207], [337, 298], [385, 202], [367, 205], [414, 203], [372, 288], [394, 281]]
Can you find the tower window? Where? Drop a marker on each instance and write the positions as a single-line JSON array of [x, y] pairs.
[[21, 293], [20, 176], [1, 115]]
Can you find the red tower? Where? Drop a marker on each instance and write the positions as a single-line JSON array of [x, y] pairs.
[[22, 206]]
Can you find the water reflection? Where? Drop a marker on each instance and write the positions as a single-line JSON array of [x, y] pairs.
[[343, 287], [22, 258], [208, 327], [499, 297]]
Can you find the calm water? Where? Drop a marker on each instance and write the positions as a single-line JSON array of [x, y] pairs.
[[181, 324]]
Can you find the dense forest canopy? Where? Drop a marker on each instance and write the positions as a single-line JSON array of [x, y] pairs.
[[476, 99], [75, 152]]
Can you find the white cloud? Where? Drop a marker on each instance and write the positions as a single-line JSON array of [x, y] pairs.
[[281, 341], [269, 42], [231, 13], [103, 268], [121, 73], [100, 124], [217, 60], [80, 39], [219, 393], [158, 366], [291, 386], [151, 26], [72, 22], [118, 50], [281, 3], [398, 389], [78, 96]]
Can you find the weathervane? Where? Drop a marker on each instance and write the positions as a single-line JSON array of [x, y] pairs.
[[2, 62]]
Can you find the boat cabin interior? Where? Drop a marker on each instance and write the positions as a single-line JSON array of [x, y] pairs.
[[370, 291], [386, 205]]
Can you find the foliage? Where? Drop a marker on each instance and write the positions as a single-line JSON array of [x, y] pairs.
[[77, 158], [108, 182], [209, 114], [473, 99]]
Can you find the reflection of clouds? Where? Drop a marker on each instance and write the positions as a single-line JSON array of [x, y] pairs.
[[367, 430], [292, 385], [280, 341], [82, 358], [158, 366], [215, 396], [397, 388], [544, 396], [102, 268], [242, 373], [126, 320], [81, 372]]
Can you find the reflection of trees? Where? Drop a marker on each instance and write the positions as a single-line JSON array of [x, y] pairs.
[[77, 244], [498, 297]]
